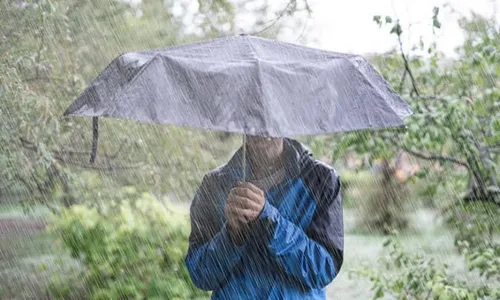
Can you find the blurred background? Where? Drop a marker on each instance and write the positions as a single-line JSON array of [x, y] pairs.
[[421, 205]]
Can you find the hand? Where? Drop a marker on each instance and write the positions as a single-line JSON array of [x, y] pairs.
[[245, 202]]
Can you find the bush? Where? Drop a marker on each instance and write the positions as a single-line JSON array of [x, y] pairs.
[[354, 183], [477, 229], [131, 249], [413, 276], [383, 201], [474, 222]]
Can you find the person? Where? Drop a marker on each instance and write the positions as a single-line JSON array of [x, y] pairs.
[[279, 235]]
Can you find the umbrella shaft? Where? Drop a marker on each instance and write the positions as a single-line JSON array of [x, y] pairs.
[[244, 158]]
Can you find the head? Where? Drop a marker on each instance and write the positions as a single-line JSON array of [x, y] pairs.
[[264, 149]]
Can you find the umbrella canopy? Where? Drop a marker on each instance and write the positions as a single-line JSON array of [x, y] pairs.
[[244, 84]]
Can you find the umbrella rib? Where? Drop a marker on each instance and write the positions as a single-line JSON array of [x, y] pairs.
[[134, 79], [260, 84], [374, 86]]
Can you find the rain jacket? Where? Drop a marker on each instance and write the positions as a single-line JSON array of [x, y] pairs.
[[295, 247]]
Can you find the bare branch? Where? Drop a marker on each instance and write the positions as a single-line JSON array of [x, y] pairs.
[[431, 156], [45, 78], [120, 148], [401, 83], [108, 168], [59, 156], [42, 43], [407, 66], [27, 144], [274, 21], [436, 157], [70, 152], [303, 29], [494, 146]]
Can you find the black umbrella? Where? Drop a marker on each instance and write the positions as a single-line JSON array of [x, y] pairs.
[[244, 84]]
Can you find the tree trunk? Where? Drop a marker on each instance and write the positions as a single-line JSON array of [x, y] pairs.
[[478, 184]]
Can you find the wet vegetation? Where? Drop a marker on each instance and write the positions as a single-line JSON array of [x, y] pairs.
[[421, 204]]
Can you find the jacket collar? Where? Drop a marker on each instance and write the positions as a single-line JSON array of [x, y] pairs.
[[297, 155]]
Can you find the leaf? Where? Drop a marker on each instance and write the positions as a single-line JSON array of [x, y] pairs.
[[397, 29], [435, 21], [388, 20], [377, 19], [379, 293], [435, 11]]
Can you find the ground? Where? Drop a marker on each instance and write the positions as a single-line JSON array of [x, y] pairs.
[[28, 258]]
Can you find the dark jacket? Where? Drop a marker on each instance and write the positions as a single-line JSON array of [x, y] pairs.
[[295, 248]]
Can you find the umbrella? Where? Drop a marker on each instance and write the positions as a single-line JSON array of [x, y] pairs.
[[243, 84]]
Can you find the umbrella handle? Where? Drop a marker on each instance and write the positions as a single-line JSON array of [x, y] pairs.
[[244, 158], [95, 138]]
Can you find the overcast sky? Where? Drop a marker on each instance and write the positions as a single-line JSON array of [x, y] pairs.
[[347, 25]]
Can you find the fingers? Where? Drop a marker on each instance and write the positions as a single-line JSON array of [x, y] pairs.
[[246, 193], [232, 218], [242, 202], [252, 187], [240, 214]]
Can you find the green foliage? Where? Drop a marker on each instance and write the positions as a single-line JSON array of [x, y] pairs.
[[131, 248], [477, 233], [435, 20], [476, 223], [416, 276], [61, 287], [455, 104], [456, 108], [50, 50], [413, 276]]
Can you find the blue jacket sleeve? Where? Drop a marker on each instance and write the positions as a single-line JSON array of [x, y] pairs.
[[313, 258], [212, 255]]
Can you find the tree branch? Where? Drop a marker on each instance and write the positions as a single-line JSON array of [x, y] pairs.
[[59, 156], [401, 83], [108, 168], [273, 22], [436, 157], [430, 156], [494, 146], [42, 42], [120, 148], [407, 66]]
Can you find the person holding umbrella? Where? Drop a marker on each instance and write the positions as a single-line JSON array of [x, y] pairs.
[[279, 235], [267, 225]]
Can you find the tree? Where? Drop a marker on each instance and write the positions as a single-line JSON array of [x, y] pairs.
[[50, 50], [455, 104]]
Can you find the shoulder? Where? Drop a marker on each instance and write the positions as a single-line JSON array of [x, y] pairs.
[[318, 170], [216, 180], [322, 180]]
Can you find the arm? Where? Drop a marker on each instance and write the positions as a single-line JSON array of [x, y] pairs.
[[211, 255], [313, 258]]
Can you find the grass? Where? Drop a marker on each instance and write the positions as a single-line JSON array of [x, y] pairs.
[[20, 257], [365, 250], [16, 210], [28, 259]]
